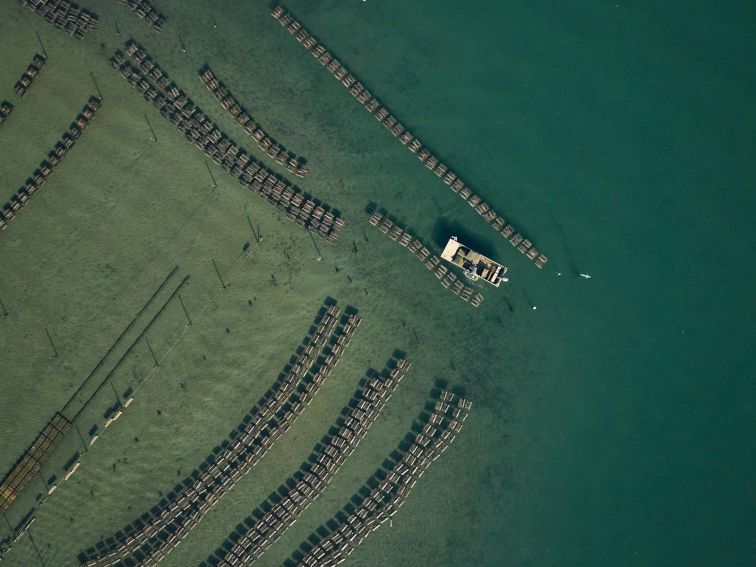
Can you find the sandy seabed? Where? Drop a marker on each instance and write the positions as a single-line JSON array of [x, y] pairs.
[[122, 211]]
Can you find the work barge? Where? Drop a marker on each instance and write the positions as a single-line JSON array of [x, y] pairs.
[[388, 489], [295, 164], [274, 414], [64, 15], [273, 517], [149, 79], [22, 197], [411, 142], [447, 278], [474, 265]]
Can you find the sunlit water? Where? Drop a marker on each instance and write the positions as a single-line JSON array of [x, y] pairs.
[[612, 425]]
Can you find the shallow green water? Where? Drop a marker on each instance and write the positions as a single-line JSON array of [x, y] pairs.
[[612, 426]]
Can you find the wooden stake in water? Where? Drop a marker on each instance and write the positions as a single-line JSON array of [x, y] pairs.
[[254, 232], [42, 45], [211, 175], [118, 398], [97, 87], [39, 472], [39, 555], [49, 338], [83, 444], [186, 311], [217, 271], [152, 352], [315, 244], [154, 136], [5, 311], [7, 522]]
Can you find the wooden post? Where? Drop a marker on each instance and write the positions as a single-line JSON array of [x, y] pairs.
[[36, 549], [42, 45], [186, 311], [83, 443], [49, 338], [315, 244], [7, 522], [211, 174], [152, 352], [97, 87], [154, 136], [217, 271], [254, 232], [118, 398], [39, 472]]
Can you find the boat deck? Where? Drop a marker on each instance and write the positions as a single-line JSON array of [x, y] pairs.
[[475, 264]]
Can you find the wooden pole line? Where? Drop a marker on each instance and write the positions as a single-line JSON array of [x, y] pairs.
[[119, 339], [143, 333]]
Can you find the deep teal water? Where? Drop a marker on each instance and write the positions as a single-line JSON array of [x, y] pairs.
[[620, 135]]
